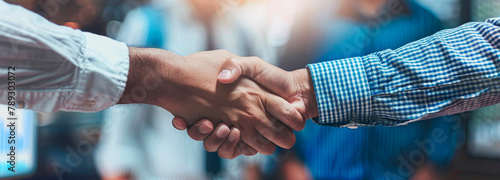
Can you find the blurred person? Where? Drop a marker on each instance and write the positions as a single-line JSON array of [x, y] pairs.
[[349, 30], [54, 68], [28, 4], [141, 143], [449, 72], [358, 28]]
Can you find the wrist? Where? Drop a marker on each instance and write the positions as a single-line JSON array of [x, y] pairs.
[[307, 92], [148, 71]]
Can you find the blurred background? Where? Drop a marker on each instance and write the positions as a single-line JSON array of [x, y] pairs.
[[138, 142]]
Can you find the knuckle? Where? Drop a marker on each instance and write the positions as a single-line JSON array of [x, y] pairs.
[[302, 125], [233, 61], [270, 133], [209, 147], [288, 112], [195, 136], [290, 115], [223, 155], [285, 140], [224, 52], [255, 58], [268, 149], [251, 141], [291, 141], [278, 137], [220, 50], [253, 114]]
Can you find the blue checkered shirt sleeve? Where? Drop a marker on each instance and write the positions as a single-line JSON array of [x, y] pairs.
[[452, 71]]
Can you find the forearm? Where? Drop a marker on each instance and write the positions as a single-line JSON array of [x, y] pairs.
[[151, 77], [140, 70], [450, 72]]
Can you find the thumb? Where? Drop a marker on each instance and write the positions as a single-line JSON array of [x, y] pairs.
[[265, 74], [249, 67], [231, 71], [179, 123]]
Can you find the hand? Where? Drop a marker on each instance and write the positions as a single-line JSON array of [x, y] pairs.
[[188, 88], [296, 87], [203, 130]]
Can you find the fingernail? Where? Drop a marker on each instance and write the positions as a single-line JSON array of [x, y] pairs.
[[204, 129], [224, 74], [221, 134], [176, 124]]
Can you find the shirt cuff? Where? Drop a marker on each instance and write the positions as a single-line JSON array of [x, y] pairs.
[[102, 77], [342, 92]]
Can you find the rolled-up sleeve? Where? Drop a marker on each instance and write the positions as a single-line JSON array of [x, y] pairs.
[[56, 67]]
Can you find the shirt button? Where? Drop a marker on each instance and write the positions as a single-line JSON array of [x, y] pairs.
[[352, 127]]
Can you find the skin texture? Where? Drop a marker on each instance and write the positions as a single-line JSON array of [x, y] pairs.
[[296, 87], [187, 87]]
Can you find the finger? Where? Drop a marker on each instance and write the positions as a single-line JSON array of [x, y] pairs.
[[284, 112], [265, 74], [277, 133], [179, 123], [229, 148], [258, 142], [215, 140], [246, 149], [231, 71], [200, 130], [235, 67], [267, 147]]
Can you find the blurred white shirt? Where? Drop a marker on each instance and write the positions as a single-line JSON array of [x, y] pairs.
[[58, 68]]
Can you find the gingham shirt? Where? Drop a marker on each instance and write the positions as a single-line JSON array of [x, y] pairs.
[[452, 71]]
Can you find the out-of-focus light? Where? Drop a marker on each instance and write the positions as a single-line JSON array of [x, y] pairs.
[[73, 25], [112, 28], [82, 2], [110, 13], [283, 17], [227, 5]]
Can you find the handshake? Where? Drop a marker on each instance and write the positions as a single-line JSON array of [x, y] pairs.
[[254, 105]]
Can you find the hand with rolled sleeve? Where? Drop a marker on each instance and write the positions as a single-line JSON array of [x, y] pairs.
[[452, 71], [58, 68]]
